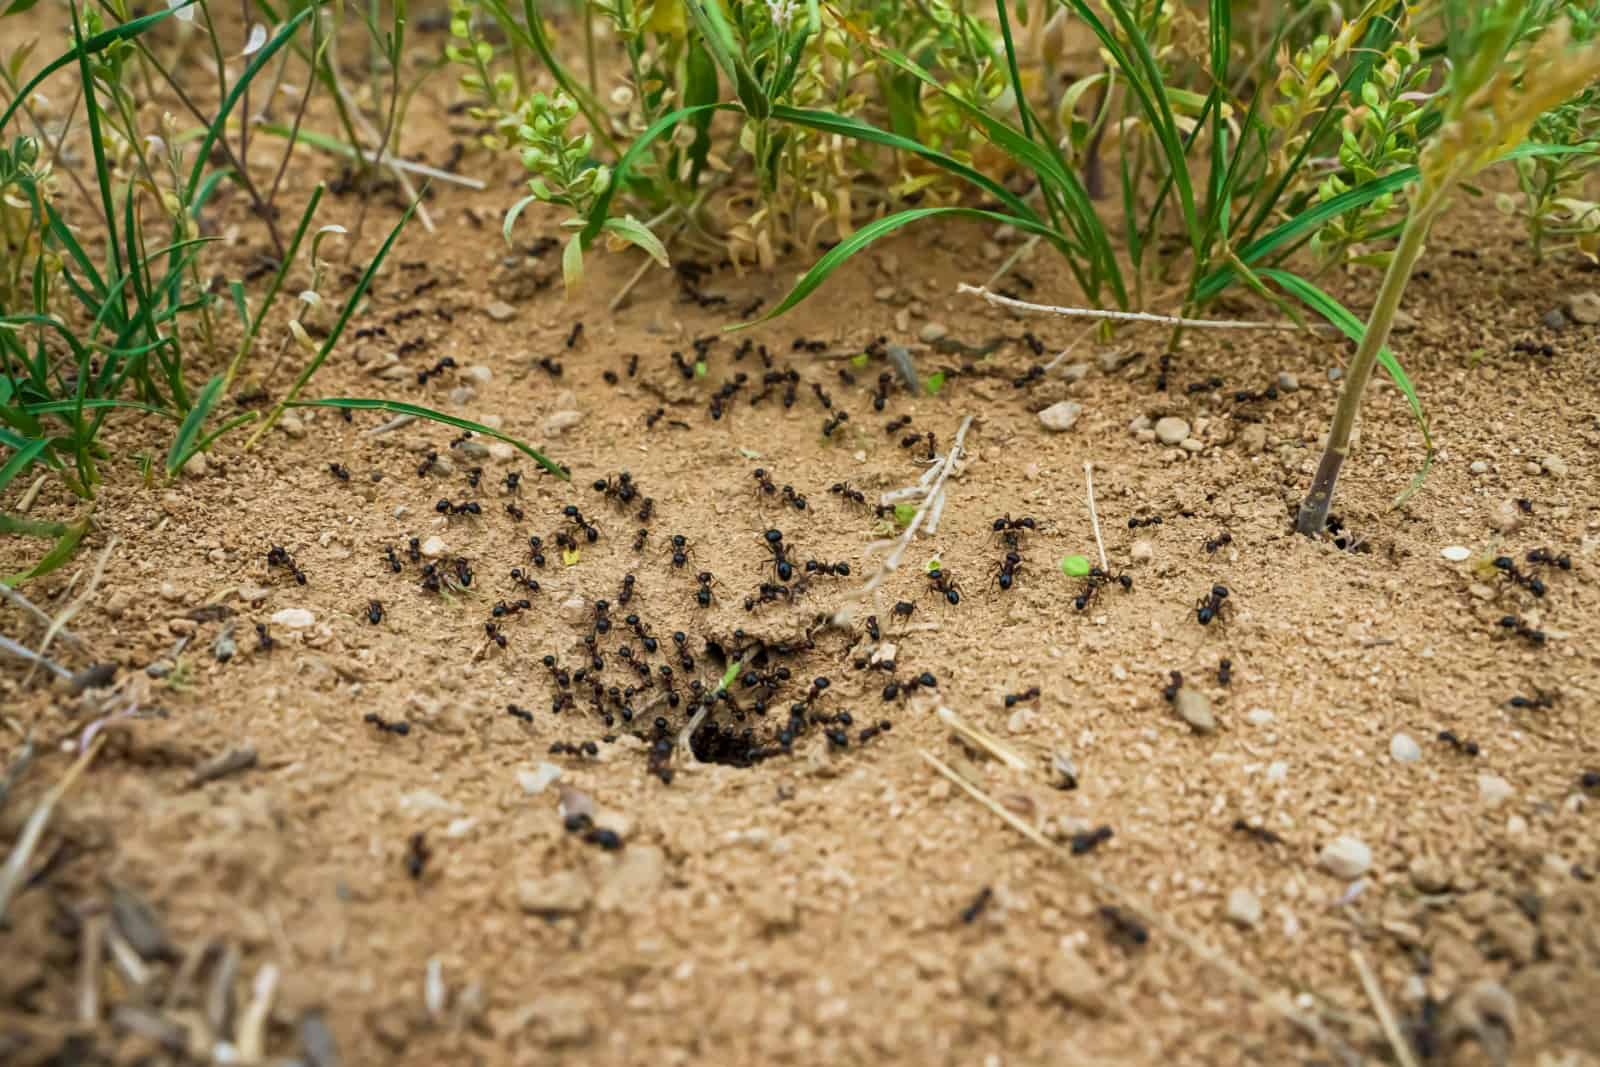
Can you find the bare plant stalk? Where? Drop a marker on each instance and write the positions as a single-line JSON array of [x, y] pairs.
[[1119, 316], [1094, 519], [1313, 517]]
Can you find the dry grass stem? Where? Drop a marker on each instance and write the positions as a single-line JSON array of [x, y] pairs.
[[13, 873], [67, 613], [39, 614], [891, 562], [1120, 316], [1246, 982], [1380, 1004], [982, 739], [1094, 518]]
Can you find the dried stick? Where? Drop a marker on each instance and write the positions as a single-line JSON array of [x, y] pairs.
[[982, 739], [1120, 316], [892, 562], [1380, 1004], [1278, 1001], [1094, 519], [38, 613], [60, 621], [12, 874]]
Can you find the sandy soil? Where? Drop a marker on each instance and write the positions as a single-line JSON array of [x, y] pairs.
[[834, 903]]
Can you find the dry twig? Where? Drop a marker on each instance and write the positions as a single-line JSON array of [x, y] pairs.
[[1120, 316], [1094, 519], [13, 873], [1380, 1004]]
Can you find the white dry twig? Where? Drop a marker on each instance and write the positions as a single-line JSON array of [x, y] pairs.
[[38, 613], [1380, 1004], [1094, 519], [892, 562], [16, 865], [59, 623], [1120, 316]]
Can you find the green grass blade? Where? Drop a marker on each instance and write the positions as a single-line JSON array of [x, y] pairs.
[[66, 545], [869, 233], [1353, 328], [240, 87], [98, 43], [398, 407], [619, 173], [189, 429], [20, 526], [22, 460]]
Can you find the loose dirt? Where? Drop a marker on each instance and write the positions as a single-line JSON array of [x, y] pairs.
[[835, 903]]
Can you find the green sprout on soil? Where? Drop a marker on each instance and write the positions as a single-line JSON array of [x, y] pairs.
[[1075, 566], [1499, 85], [904, 513]]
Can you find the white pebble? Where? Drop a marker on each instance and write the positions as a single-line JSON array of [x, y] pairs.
[[434, 547], [538, 780], [1345, 857], [1455, 553], [1060, 416], [1142, 552], [1244, 908], [1259, 716], [1171, 430], [1494, 790], [561, 421], [1404, 749], [293, 618]]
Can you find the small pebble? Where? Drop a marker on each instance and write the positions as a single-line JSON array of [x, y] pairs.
[[1253, 438], [1074, 372], [434, 547], [1335, 373], [1259, 717], [462, 395], [1287, 382], [293, 618], [933, 331], [1063, 771], [1139, 422], [1584, 307], [1455, 553], [1494, 790], [1111, 362], [538, 780], [1060, 416], [1479, 466], [501, 452], [291, 425], [1505, 517], [1404, 749], [1429, 875], [500, 311], [1554, 320], [561, 421], [477, 374], [1171, 430], [1244, 908], [1345, 857], [224, 647], [1142, 552], [561, 893], [1554, 466], [1191, 444], [196, 466], [575, 610], [1194, 708]]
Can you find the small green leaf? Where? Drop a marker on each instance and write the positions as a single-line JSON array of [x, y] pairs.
[[699, 368], [183, 445], [860, 360], [571, 556], [904, 513], [17, 7], [935, 382], [636, 233], [572, 263], [932, 565], [64, 548], [1075, 566]]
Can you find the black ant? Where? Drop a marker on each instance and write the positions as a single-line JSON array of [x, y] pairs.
[[401, 728], [1225, 672], [513, 481], [1214, 543], [1089, 840], [625, 594], [1544, 555], [872, 628], [684, 368], [1539, 700], [620, 490], [1506, 566], [1467, 748], [980, 903], [417, 855], [1124, 926], [647, 509], [764, 484], [903, 609], [374, 611], [536, 547], [780, 558], [640, 538], [1034, 373], [894, 426], [1174, 683], [339, 471], [1165, 364], [514, 511], [882, 726], [633, 364], [474, 476], [550, 366], [278, 556], [438, 369], [822, 397], [414, 549], [519, 713], [394, 560], [1209, 606], [702, 595], [1006, 522], [466, 507], [834, 423], [654, 417], [818, 567], [1525, 505], [1008, 570], [1522, 629], [790, 496], [1200, 387], [1153, 520], [1094, 581], [502, 608], [525, 580], [577, 332], [680, 550], [591, 532], [1260, 833], [264, 640], [1013, 699], [941, 582], [847, 491]]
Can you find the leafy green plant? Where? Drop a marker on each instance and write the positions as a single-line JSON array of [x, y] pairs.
[[1504, 74]]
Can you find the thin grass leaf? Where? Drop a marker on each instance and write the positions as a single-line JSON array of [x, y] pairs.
[[98, 43], [66, 546], [619, 173], [21, 526], [1353, 328], [398, 407], [182, 442], [724, 48], [240, 87], [22, 460], [869, 233]]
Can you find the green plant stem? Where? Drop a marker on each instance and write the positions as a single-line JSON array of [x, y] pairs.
[[1313, 516], [260, 316]]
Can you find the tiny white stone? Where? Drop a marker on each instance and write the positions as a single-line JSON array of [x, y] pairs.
[[460, 827], [1060, 416], [1494, 790], [1244, 908], [561, 421], [1259, 716], [538, 780], [884, 653], [1345, 857], [1455, 553], [1171, 430], [1403, 749], [1141, 552], [434, 547], [1479, 466], [934, 331], [293, 618], [1277, 771]]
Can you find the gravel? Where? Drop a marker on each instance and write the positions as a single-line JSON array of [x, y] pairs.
[[1171, 430], [1584, 307], [1403, 748], [1244, 908], [1194, 708], [1345, 857], [1060, 417], [500, 311], [293, 618], [1287, 382]]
